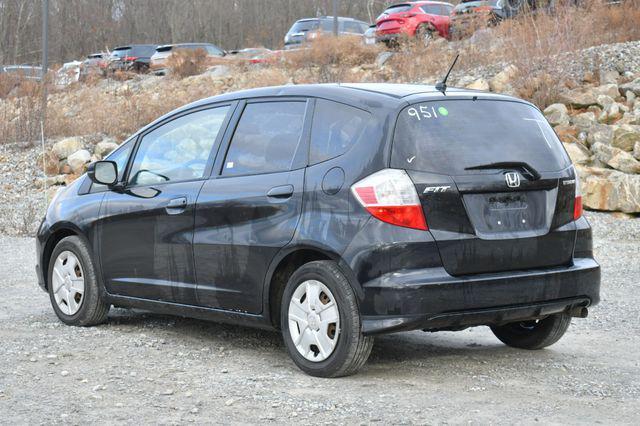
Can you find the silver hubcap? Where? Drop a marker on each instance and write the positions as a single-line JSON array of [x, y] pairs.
[[68, 283], [314, 320]]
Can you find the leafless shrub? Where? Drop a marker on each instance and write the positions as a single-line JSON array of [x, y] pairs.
[[187, 62]]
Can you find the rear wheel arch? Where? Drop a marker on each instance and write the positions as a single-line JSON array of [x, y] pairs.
[[285, 265]]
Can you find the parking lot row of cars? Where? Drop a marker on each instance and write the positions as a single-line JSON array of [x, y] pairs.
[[423, 20]]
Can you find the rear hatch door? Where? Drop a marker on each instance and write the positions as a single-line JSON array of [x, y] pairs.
[[495, 183]]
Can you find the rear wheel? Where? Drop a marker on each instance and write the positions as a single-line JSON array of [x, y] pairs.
[[320, 322], [73, 287], [536, 334]]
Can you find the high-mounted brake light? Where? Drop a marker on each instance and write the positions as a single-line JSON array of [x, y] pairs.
[[577, 204], [390, 196]]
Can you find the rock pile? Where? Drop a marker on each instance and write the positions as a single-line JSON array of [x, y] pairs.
[[599, 125], [68, 158]]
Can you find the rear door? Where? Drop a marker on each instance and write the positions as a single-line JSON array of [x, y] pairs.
[[496, 186], [250, 210]]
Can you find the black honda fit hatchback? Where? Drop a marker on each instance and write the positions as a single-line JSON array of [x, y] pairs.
[[333, 213]]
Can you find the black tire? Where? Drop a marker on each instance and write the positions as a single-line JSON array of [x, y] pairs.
[[352, 349], [533, 335], [93, 309]]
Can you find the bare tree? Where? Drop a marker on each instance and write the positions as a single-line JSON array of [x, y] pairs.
[[79, 27]]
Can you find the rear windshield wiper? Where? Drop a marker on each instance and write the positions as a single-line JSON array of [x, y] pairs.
[[520, 165]]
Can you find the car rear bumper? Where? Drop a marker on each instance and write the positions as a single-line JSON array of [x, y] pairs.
[[431, 299]]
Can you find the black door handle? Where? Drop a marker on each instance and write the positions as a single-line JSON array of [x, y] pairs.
[[284, 191], [176, 205]]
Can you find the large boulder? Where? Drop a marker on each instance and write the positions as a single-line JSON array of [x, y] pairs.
[[579, 98], [633, 86], [578, 153], [78, 161], [104, 148], [501, 82], [557, 114], [610, 190], [65, 147], [626, 136], [600, 133], [610, 90], [616, 158], [479, 84], [584, 120]]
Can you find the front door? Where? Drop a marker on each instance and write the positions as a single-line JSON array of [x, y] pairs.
[[250, 209], [146, 231]]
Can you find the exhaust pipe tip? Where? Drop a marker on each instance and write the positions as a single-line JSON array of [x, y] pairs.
[[579, 312]]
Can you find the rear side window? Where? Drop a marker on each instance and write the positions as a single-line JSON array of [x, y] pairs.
[[178, 150], [266, 138], [307, 25], [432, 9], [335, 129], [450, 136]]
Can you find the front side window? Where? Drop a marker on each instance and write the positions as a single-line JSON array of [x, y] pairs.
[[266, 138], [336, 128], [178, 150]]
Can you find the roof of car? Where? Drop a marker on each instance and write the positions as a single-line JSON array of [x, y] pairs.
[[383, 92], [370, 94]]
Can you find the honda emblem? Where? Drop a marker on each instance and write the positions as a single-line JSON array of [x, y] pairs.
[[512, 179]]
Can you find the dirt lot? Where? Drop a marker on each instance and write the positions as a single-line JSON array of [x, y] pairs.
[[145, 368]]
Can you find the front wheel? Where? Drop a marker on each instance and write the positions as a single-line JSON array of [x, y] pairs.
[[535, 334], [73, 286], [320, 322]]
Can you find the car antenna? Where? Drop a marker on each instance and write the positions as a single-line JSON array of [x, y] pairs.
[[441, 86]]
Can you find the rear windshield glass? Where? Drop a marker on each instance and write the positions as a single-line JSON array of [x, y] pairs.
[[301, 26], [120, 52], [164, 48], [450, 136]]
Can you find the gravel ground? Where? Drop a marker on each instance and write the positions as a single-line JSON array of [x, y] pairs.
[[142, 368]]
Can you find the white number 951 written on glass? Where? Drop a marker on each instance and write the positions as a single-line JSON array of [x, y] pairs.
[[427, 112]]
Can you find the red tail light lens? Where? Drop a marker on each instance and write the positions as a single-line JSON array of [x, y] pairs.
[[577, 204], [130, 58], [390, 196]]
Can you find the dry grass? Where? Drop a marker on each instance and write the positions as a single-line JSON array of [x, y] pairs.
[[187, 62], [329, 59]]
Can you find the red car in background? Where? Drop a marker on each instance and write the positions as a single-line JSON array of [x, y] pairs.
[[422, 19]]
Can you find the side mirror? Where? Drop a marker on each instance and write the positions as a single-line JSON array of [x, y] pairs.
[[103, 172]]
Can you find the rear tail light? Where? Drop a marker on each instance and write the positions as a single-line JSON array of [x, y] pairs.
[[130, 58], [390, 195], [577, 204]]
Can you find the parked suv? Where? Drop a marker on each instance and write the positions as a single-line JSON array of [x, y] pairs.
[[135, 57], [333, 213], [307, 30], [423, 20]]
